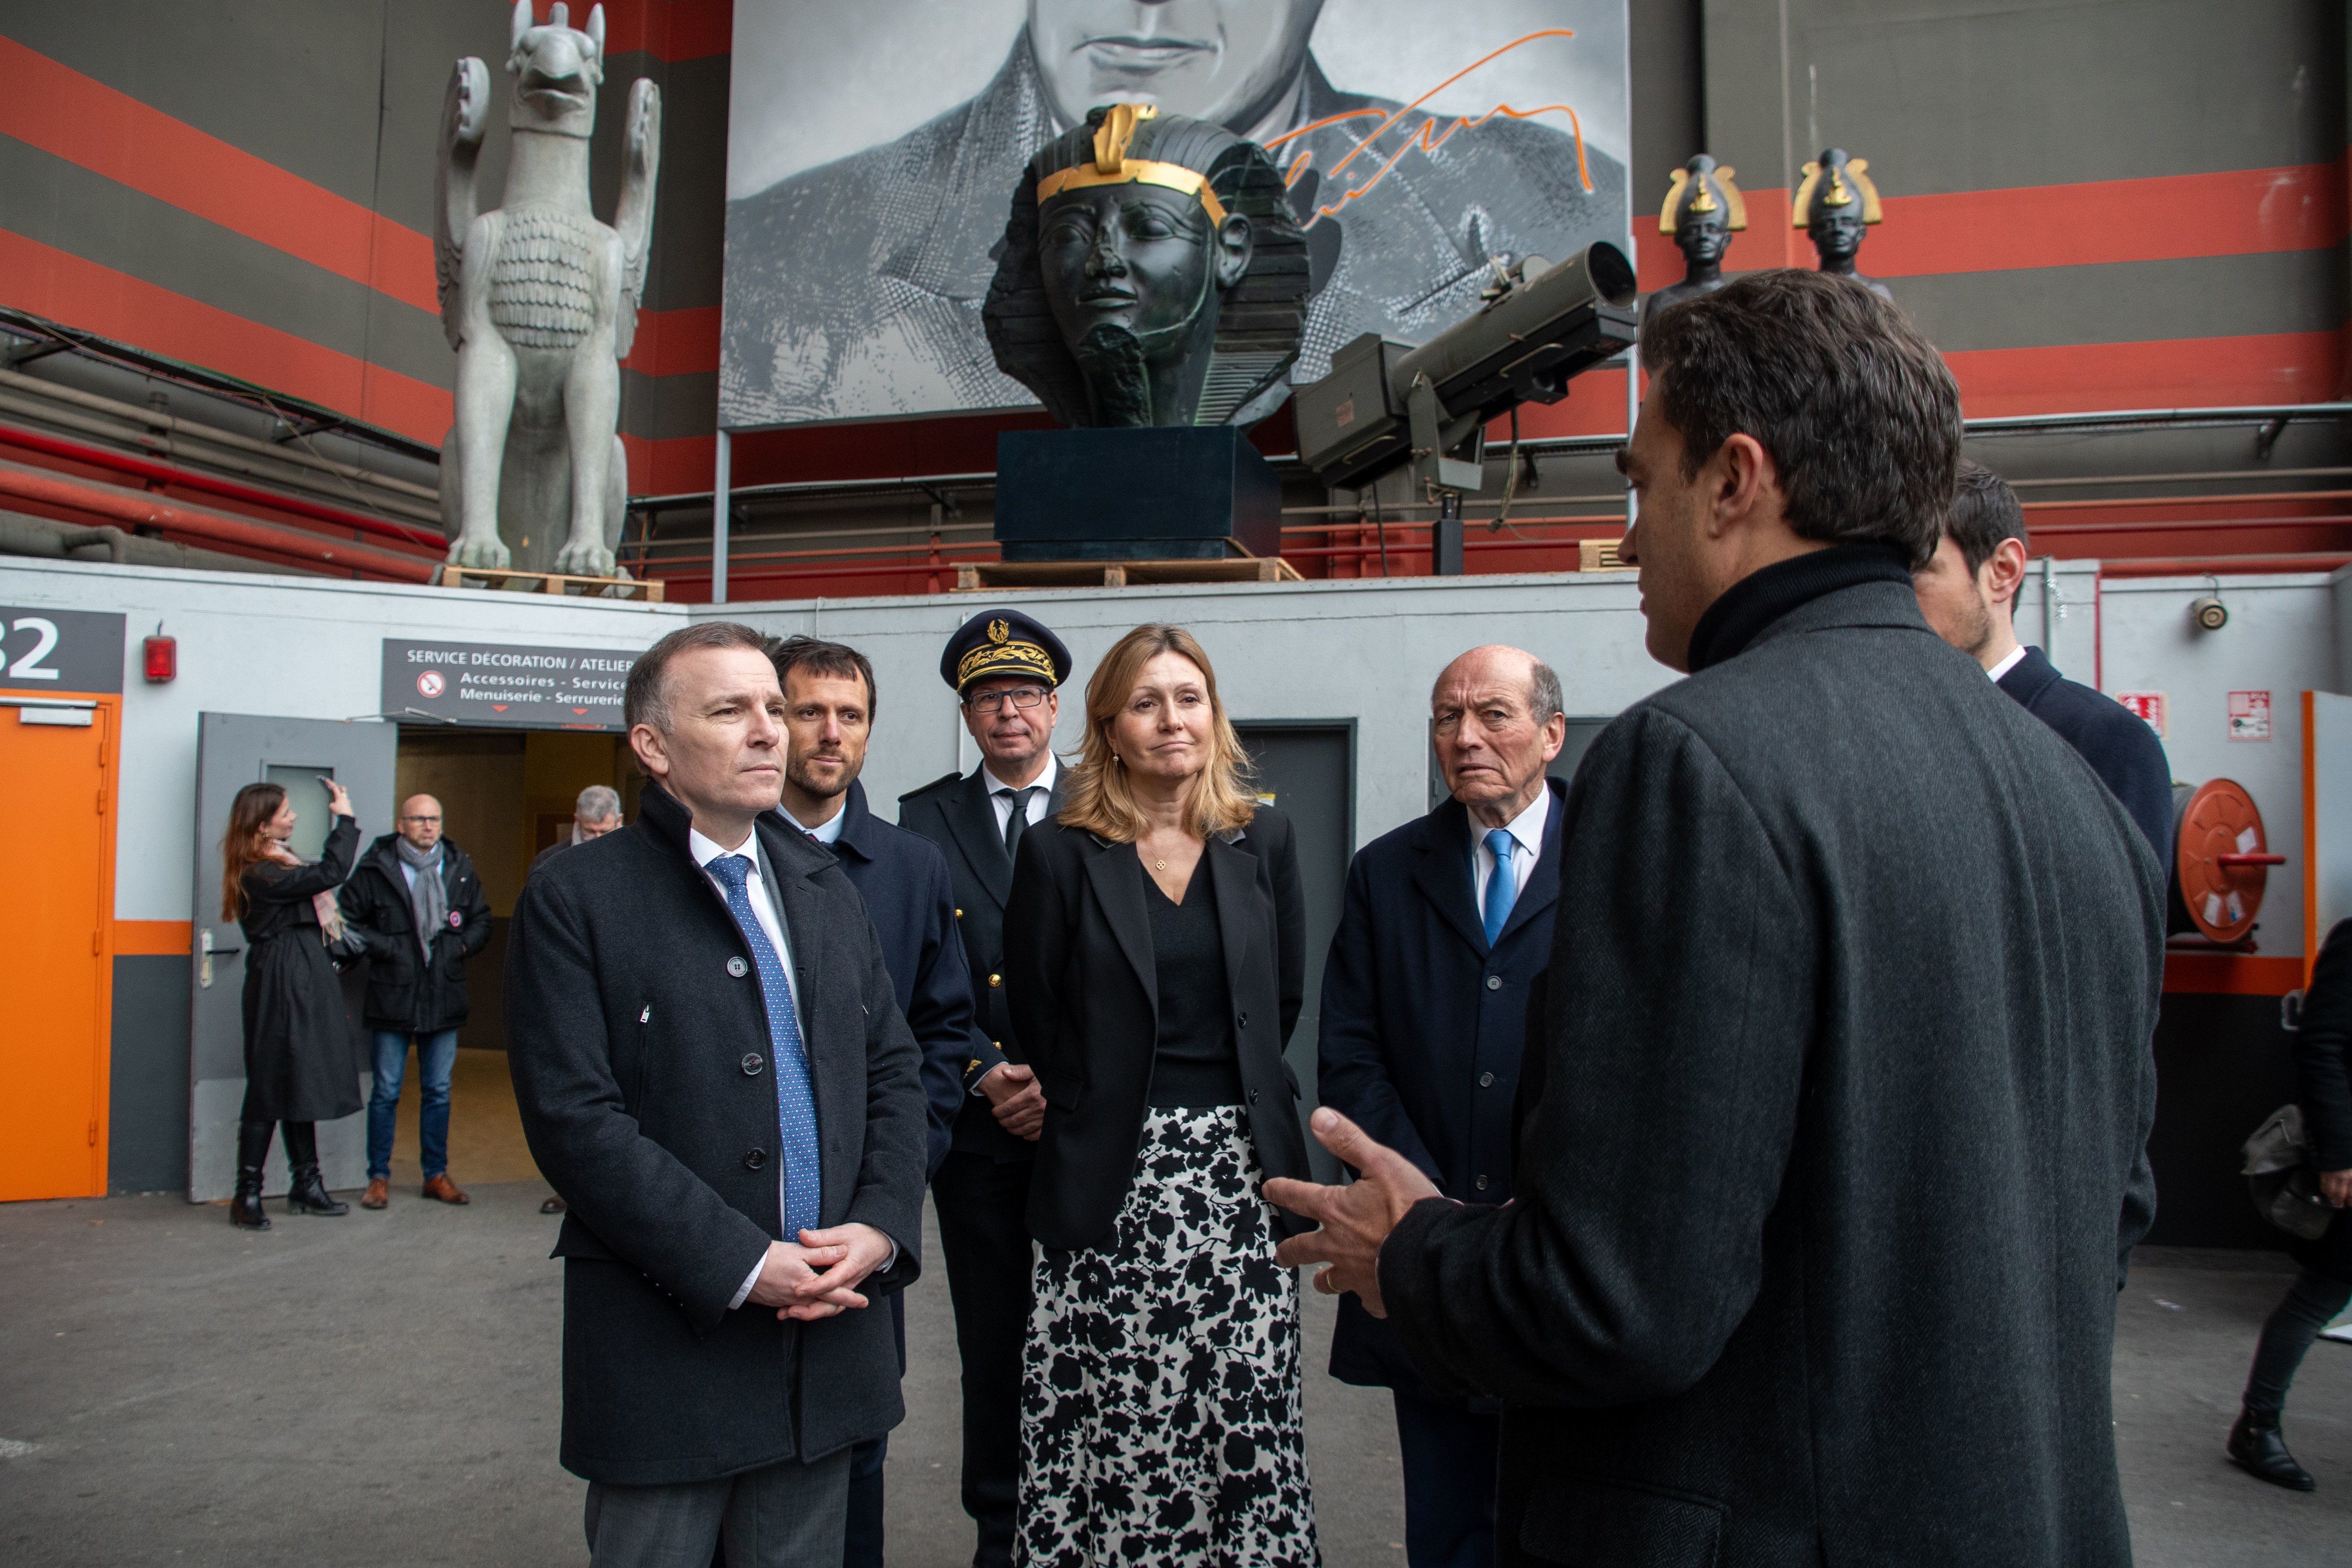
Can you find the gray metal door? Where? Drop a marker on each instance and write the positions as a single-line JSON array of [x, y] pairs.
[[233, 750], [1309, 772]]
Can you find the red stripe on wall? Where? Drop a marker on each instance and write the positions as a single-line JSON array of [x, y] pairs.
[[675, 343], [65, 287], [2186, 372], [670, 30], [2238, 212], [71, 116]]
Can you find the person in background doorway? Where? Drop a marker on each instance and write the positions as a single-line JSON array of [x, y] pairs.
[[597, 813], [1968, 590], [1004, 669], [1156, 951], [829, 706], [298, 1042], [1446, 927], [420, 907], [2323, 1062]]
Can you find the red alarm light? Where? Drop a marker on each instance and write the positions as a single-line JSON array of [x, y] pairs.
[[162, 657]]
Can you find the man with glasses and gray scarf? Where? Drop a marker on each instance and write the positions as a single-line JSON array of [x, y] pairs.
[[416, 900]]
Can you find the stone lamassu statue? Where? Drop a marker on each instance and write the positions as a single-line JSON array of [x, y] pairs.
[[1151, 273], [1834, 206], [1703, 210], [540, 303]]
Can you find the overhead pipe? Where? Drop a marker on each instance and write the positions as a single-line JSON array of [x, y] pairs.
[[47, 539], [2221, 565], [135, 509], [123, 463]]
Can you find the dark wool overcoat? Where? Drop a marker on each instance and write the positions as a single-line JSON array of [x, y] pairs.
[[1824, 1196], [1424, 1024], [1085, 993], [408, 990], [638, 1039], [2323, 1069], [298, 1061]]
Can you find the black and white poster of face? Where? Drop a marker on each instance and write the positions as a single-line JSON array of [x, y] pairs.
[[874, 150]]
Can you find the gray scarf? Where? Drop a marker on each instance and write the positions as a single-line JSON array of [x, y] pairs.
[[427, 900]]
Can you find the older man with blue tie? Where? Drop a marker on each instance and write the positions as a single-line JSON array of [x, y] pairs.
[[1447, 922]]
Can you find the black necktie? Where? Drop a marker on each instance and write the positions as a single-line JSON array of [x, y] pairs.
[[1017, 823]]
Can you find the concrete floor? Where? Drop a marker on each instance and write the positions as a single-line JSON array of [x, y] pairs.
[[383, 1389]]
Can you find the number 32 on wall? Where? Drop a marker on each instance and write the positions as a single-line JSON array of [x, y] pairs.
[[27, 666]]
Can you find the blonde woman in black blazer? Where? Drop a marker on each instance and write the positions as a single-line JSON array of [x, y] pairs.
[[1155, 950]]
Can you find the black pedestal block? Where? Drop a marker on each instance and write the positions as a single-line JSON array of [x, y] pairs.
[[1157, 493]]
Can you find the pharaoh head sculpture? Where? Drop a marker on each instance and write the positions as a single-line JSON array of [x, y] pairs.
[[1702, 212], [1151, 273], [557, 70], [1835, 202]]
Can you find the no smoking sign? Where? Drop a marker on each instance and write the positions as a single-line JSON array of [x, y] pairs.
[[430, 684]]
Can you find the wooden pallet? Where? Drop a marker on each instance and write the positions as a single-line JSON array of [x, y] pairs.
[[455, 576], [973, 579], [1599, 556]]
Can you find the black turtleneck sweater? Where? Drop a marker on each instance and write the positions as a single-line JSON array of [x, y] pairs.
[[1761, 597]]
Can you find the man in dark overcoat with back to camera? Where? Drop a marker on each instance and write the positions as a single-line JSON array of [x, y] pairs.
[[1444, 927], [713, 1071], [1005, 669], [1840, 1093]]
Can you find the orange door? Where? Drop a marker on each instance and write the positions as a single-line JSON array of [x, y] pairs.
[[56, 918]]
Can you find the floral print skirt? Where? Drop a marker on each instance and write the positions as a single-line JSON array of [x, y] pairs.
[[1160, 1423]]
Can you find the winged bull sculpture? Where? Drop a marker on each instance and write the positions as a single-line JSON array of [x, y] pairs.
[[540, 303]]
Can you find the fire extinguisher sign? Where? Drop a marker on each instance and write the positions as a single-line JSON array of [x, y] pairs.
[[2148, 705], [2249, 715]]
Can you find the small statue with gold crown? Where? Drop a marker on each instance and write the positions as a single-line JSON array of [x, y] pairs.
[[1834, 205], [1703, 210]]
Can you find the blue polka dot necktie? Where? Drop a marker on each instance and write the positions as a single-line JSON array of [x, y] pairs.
[[795, 1101], [1502, 888]]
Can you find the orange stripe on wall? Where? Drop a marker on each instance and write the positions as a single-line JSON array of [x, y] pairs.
[[2230, 973], [153, 939], [74, 117], [62, 286], [675, 343], [668, 30], [2186, 372]]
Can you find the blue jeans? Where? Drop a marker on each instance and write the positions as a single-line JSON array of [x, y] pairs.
[[436, 1054]]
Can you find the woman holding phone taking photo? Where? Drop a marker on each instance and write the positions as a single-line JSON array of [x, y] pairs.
[[298, 1045]]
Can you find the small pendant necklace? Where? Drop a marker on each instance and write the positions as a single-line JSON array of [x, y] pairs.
[[1159, 865]]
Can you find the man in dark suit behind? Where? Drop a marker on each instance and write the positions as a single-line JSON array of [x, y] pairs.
[[1004, 669], [712, 1070], [1968, 590], [1445, 923], [829, 707], [1842, 1091]]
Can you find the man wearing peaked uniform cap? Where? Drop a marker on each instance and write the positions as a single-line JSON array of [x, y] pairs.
[[1005, 669]]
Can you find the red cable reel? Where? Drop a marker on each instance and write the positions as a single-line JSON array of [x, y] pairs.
[[2220, 860]]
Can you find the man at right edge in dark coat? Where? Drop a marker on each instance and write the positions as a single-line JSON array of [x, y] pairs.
[[1968, 590], [1838, 1104]]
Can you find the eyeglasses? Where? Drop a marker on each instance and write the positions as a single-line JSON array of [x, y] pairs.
[[420, 819], [994, 701]]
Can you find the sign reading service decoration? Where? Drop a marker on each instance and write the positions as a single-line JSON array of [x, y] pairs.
[[505, 683]]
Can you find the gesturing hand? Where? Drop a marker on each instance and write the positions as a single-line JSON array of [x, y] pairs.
[[1355, 1219], [1016, 1099]]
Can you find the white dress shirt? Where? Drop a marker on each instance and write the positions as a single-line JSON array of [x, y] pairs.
[[1039, 804], [2006, 665], [1528, 830], [827, 832]]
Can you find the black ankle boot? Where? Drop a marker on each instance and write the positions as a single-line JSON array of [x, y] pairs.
[[244, 1208], [309, 1194], [252, 1149], [2257, 1448]]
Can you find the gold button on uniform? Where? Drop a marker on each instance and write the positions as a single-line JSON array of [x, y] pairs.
[[996, 980], [958, 914]]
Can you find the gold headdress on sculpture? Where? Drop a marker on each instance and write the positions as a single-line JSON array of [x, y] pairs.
[[1835, 181], [1112, 166], [1698, 187]]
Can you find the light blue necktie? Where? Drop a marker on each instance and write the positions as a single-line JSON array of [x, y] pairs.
[[795, 1102], [1502, 888]]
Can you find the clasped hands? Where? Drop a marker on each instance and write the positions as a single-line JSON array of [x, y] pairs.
[[1016, 1099], [1355, 1219], [819, 1277]]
